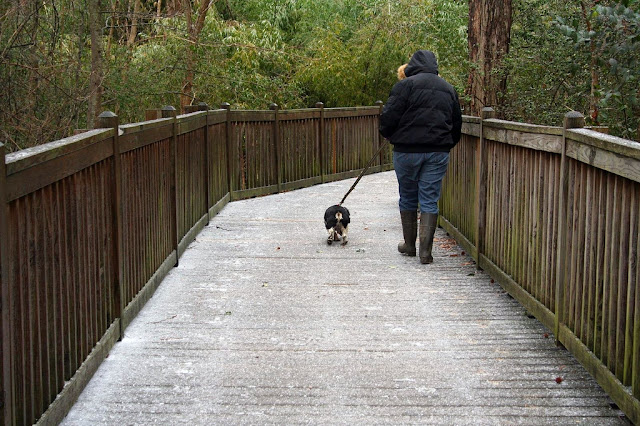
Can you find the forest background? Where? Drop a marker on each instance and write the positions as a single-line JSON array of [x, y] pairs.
[[62, 62]]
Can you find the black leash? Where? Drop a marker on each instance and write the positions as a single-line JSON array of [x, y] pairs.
[[362, 173]]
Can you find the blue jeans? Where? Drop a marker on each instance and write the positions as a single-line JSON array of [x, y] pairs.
[[420, 179]]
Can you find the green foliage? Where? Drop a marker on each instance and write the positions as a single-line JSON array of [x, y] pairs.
[[546, 78], [356, 65], [614, 43], [554, 58], [251, 53]]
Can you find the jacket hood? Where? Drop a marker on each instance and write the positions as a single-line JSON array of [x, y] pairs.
[[422, 61]]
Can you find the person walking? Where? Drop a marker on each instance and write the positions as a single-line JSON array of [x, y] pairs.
[[422, 119]]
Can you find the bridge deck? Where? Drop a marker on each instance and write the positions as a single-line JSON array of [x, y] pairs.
[[262, 323]]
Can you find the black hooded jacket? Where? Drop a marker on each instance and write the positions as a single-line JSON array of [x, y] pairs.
[[422, 113]]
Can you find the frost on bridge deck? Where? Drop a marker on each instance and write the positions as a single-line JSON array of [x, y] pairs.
[[262, 323]]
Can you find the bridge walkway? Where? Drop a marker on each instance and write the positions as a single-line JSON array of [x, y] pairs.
[[264, 323]]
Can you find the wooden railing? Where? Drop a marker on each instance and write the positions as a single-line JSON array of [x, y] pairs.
[[90, 225], [554, 215]]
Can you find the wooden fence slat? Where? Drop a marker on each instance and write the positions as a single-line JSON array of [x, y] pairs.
[[167, 112], [623, 283], [571, 120], [612, 273], [277, 145], [632, 284], [7, 373], [481, 184], [635, 351], [600, 268], [320, 142]]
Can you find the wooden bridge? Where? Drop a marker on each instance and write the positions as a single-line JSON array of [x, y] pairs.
[[264, 323]]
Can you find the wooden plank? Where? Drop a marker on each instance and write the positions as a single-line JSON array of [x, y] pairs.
[[351, 112], [562, 243], [616, 163], [47, 330], [8, 325], [471, 129], [292, 115], [173, 172], [573, 248], [254, 192], [621, 279], [588, 296], [523, 127], [55, 320], [133, 128], [614, 284], [218, 116], [117, 224], [635, 351], [63, 292], [547, 215], [191, 122], [632, 284], [142, 136], [581, 254], [27, 180], [606, 273], [320, 142], [536, 141], [244, 116], [623, 147], [31, 157], [481, 190], [600, 250]]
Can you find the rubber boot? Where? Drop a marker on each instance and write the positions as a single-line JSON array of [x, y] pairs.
[[428, 223], [409, 220]]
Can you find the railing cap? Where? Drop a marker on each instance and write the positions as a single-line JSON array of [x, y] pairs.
[[106, 120], [168, 111], [487, 113], [573, 120]]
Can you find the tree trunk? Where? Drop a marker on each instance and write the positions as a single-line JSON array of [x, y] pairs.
[[134, 23], [194, 29], [594, 100], [96, 76], [489, 38]]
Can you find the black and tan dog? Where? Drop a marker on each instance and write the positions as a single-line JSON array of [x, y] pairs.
[[336, 220]]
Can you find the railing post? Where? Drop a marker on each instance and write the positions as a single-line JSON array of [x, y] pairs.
[[481, 185], [109, 120], [8, 374], [572, 120], [207, 159], [169, 111], [227, 138], [380, 105], [152, 114], [276, 143], [320, 106]]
